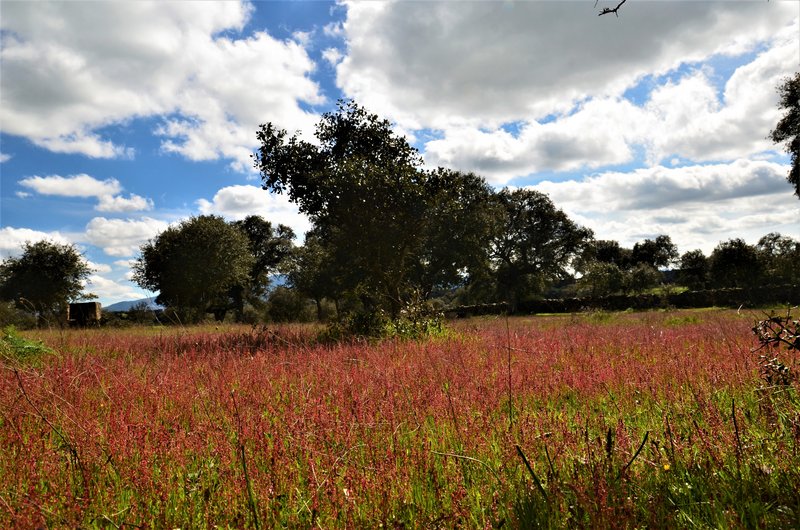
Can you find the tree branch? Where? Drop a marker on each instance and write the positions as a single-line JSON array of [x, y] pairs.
[[607, 10]]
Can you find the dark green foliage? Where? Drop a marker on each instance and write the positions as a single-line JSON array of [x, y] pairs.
[[461, 218], [194, 266], [659, 252], [641, 277], [269, 247], [44, 278], [310, 270], [787, 131], [418, 319], [694, 270], [609, 251], [384, 227], [11, 315], [536, 244], [780, 259], [734, 263], [288, 305], [361, 324], [601, 278], [609, 269]]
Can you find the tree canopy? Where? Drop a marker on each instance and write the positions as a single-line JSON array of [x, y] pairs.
[[734, 263], [658, 252], [537, 244], [270, 247], [387, 227], [787, 131], [194, 266], [779, 256], [44, 278], [694, 269]]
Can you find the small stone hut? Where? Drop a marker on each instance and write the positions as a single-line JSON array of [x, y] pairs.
[[83, 314]]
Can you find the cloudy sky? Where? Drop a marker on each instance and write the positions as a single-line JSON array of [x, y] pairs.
[[119, 118]]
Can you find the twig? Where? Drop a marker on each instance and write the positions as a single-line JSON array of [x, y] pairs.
[[8, 506], [607, 10], [644, 441], [549, 461], [533, 474], [251, 501], [471, 459], [671, 442], [738, 440]]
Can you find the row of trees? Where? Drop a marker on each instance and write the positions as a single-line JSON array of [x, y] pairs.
[[207, 265], [612, 269]]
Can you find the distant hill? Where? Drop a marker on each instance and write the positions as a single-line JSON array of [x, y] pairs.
[[276, 280], [128, 304]]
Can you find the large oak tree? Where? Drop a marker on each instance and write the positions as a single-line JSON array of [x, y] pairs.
[[537, 244], [194, 266], [386, 227]]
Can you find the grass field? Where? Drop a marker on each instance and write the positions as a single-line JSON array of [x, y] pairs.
[[657, 420]]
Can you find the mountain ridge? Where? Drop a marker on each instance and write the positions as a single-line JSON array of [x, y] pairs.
[[127, 305]]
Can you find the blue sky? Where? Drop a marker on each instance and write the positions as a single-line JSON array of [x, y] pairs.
[[119, 118]]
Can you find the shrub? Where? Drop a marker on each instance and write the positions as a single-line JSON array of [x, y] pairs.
[[17, 348], [417, 320], [288, 305], [10, 315]]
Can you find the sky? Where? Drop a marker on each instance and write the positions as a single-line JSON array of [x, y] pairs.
[[118, 119]]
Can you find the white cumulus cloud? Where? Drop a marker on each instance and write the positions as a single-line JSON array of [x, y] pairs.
[[70, 69], [98, 267], [73, 186], [237, 202], [86, 186], [443, 64], [134, 203], [12, 239], [571, 143], [122, 237], [691, 119], [696, 205], [109, 290], [688, 117]]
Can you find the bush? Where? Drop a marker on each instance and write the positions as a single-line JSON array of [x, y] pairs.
[[19, 349], [417, 320], [287, 305], [10, 315]]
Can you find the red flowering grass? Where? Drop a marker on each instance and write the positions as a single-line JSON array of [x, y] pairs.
[[147, 428]]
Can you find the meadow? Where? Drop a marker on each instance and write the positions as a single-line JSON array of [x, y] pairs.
[[599, 420]]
